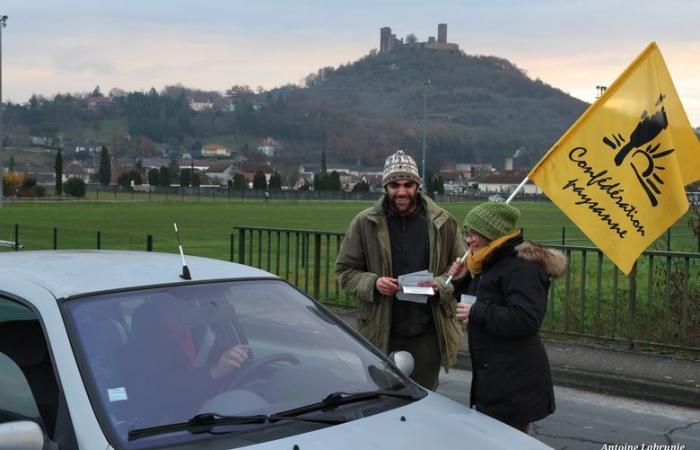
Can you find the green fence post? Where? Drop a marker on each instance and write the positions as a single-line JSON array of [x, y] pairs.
[[583, 292], [149, 243], [599, 293], [241, 245], [55, 238], [99, 240], [632, 307], [317, 265], [231, 244], [16, 237]]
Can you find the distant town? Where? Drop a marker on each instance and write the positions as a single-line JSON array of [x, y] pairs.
[[246, 139]]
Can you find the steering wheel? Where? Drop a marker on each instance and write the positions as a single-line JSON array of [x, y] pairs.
[[254, 365]]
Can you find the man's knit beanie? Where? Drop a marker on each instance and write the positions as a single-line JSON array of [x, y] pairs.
[[400, 166], [492, 219]]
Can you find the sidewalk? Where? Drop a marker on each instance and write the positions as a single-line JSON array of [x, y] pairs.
[[641, 375]]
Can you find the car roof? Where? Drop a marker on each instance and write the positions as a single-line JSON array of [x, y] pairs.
[[69, 273]]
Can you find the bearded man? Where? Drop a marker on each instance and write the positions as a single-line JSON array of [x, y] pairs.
[[404, 232]]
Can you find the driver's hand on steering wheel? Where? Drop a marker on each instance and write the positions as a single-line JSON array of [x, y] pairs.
[[229, 360]]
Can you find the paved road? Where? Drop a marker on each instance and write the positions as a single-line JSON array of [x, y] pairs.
[[588, 421]]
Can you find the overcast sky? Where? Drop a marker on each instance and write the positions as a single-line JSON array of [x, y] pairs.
[[71, 46]]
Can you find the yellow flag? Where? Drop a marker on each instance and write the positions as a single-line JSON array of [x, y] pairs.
[[619, 172]]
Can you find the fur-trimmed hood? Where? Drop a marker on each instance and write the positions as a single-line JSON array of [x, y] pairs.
[[551, 260]]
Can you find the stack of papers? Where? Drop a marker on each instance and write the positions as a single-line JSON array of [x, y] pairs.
[[410, 289]]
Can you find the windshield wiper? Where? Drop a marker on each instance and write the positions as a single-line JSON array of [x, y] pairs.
[[343, 398], [205, 423]]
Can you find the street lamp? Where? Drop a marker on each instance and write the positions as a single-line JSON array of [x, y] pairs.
[[425, 106], [3, 24]]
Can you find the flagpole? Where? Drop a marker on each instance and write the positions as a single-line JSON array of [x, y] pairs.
[[512, 195], [518, 189]]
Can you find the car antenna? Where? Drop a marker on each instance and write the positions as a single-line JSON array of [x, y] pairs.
[[185, 275]]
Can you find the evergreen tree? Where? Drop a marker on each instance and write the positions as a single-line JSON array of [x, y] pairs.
[[435, 185], [185, 177], [105, 170], [276, 181], [333, 182], [58, 169], [75, 187], [239, 181], [319, 182], [259, 180], [164, 177], [361, 186], [126, 178], [324, 168], [154, 177]]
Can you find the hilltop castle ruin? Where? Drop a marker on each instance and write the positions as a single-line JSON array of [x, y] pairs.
[[388, 40]]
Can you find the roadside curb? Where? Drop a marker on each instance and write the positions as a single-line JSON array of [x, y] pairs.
[[616, 385]]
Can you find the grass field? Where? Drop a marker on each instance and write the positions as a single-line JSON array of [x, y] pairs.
[[206, 225], [666, 309]]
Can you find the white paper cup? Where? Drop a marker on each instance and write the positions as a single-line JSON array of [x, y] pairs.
[[468, 299]]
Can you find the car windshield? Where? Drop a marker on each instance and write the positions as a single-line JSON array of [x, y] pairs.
[[161, 356]]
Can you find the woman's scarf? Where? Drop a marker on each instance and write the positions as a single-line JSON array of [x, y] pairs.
[[475, 261]]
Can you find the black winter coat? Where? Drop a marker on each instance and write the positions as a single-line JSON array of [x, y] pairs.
[[511, 378]]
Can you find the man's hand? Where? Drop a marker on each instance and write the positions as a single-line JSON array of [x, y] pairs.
[[387, 286], [463, 312], [433, 284], [229, 360]]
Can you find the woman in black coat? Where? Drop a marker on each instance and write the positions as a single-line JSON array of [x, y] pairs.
[[509, 279]]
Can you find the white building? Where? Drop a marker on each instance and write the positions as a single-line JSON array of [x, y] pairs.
[[215, 150]]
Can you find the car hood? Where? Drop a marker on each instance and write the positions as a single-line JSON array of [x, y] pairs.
[[432, 422]]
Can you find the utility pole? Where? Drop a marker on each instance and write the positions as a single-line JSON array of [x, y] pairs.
[[425, 107], [3, 24]]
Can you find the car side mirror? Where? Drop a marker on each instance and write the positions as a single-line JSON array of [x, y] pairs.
[[21, 435], [403, 360]]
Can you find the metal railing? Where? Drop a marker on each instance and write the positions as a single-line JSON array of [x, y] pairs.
[[658, 305]]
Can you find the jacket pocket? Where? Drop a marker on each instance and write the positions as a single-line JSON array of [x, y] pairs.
[[364, 311], [450, 333]]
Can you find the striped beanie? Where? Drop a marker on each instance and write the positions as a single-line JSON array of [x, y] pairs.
[[492, 219], [400, 166]]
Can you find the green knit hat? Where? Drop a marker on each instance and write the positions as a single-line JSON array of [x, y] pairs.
[[492, 219]]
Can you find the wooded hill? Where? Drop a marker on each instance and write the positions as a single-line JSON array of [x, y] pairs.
[[479, 109]]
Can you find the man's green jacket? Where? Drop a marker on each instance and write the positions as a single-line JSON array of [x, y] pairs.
[[365, 255]]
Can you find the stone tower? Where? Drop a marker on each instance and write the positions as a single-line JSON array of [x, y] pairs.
[[442, 33], [385, 39]]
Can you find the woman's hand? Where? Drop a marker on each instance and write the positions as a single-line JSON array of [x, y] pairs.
[[463, 312], [457, 269]]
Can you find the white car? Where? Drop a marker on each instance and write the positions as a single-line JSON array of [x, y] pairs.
[[118, 350]]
